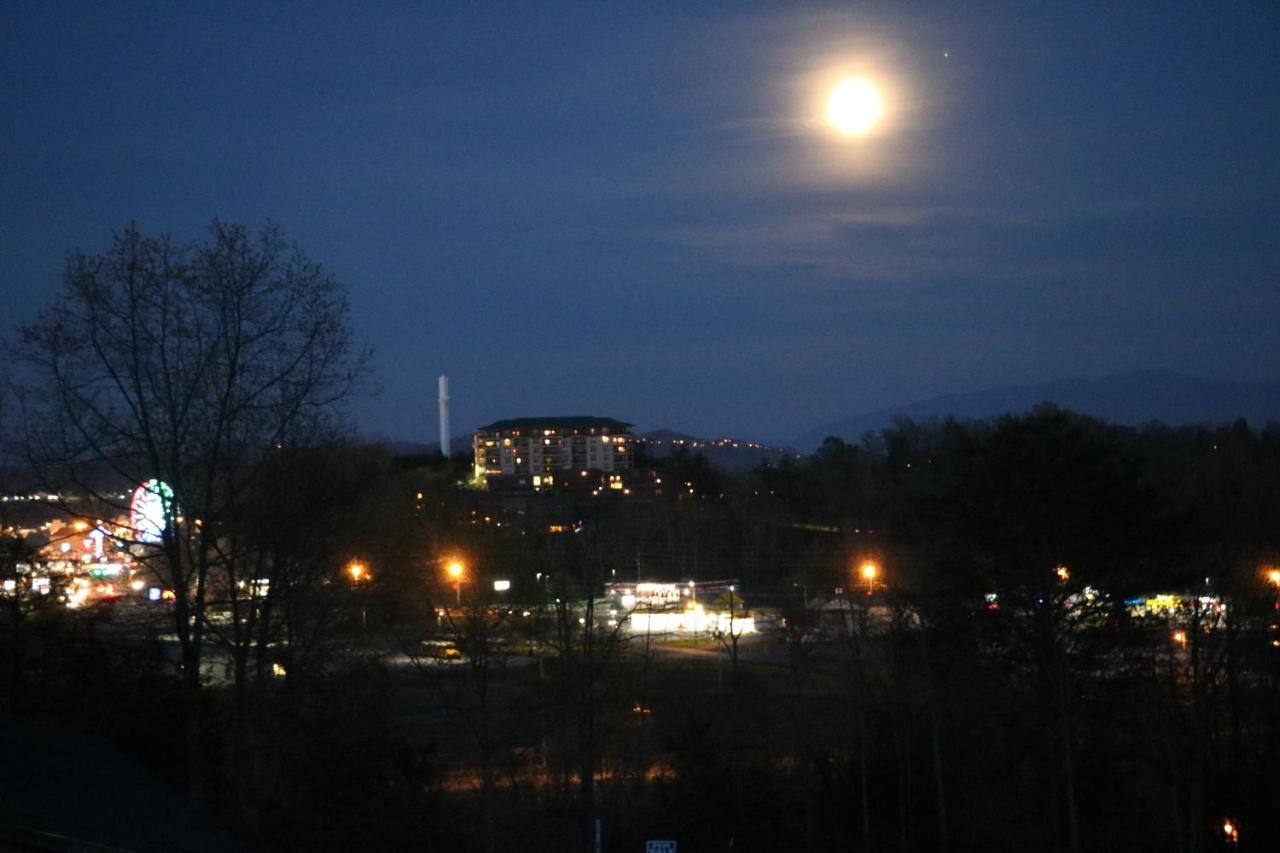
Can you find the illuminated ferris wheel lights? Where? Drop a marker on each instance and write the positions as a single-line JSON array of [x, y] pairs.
[[151, 511]]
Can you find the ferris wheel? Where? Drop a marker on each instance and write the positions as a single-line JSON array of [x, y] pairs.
[[151, 510]]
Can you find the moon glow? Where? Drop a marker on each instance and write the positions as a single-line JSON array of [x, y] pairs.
[[854, 107]]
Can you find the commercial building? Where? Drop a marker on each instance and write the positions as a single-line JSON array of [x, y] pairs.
[[680, 608], [539, 453]]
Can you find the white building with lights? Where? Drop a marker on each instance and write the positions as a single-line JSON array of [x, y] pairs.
[[542, 451]]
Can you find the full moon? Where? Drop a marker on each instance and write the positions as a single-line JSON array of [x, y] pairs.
[[854, 107]]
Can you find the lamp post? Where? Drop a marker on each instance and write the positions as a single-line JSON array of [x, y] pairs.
[[457, 571], [870, 571], [359, 573]]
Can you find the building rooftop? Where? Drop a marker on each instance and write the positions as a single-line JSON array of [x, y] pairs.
[[570, 422]]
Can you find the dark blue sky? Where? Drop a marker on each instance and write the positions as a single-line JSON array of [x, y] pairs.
[[635, 210]]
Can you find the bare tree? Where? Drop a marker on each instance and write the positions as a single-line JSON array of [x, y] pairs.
[[187, 363], [481, 633], [728, 636], [587, 647]]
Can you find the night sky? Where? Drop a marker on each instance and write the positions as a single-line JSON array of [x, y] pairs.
[[638, 210]]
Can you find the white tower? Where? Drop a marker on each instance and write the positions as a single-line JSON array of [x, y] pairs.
[[444, 415]]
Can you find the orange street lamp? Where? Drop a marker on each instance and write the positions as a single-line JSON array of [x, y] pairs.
[[1232, 832], [1180, 637], [1063, 573], [456, 570], [1273, 577], [359, 573], [870, 571]]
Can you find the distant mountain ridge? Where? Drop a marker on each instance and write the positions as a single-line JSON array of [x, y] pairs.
[[1133, 398], [729, 453]]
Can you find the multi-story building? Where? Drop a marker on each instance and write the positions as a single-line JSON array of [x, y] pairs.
[[538, 452]]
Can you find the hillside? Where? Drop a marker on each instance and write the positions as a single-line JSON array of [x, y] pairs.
[[1134, 398]]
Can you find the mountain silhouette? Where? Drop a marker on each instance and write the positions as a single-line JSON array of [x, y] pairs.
[[1133, 398]]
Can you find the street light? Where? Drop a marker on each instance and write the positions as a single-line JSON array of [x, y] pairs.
[[870, 571], [1273, 577], [456, 570], [359, 573]]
